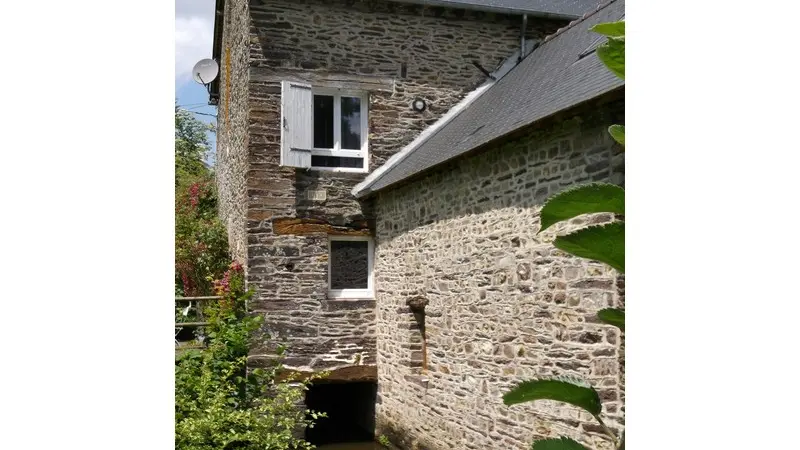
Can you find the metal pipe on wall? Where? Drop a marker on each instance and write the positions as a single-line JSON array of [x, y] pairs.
[[522, 36]]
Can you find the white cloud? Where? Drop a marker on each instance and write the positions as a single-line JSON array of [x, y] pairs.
[[194, 30]]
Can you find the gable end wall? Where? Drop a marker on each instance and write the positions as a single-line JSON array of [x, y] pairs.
[[232, 118], [504, 305]]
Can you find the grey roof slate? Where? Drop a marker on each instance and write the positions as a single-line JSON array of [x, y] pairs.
[[557, 75], [554, 8]]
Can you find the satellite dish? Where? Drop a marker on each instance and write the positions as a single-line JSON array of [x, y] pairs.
[[205, 71]]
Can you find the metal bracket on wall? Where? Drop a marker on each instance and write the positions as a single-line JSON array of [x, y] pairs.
[[482, 69]]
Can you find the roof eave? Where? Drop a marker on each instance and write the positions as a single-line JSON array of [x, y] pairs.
[[216, 49]]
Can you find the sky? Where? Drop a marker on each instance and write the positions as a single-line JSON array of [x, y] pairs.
[[194, 31]]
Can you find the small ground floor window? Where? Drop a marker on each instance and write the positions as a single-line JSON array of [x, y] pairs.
[[350, 265]]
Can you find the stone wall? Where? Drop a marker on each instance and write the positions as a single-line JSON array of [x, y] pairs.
[[399, 52], [232, 119], [504, 305]]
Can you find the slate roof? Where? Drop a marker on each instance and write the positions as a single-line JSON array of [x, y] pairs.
[[562, 72], [567, 9]]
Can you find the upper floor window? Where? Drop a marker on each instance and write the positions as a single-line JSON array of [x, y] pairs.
[[323, 128]]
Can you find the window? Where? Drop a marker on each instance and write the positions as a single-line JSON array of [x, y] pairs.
[[350, 267], [324, 128], [339, 124]]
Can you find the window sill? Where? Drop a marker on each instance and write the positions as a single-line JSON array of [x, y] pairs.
[[360, 298], [352, 294], [338, 169]]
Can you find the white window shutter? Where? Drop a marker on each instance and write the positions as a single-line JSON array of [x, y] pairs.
[[297, 135]]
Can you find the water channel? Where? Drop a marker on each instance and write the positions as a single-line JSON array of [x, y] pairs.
[[350, 424]]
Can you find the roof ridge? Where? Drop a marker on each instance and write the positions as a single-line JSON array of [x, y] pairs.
[[575, 22]]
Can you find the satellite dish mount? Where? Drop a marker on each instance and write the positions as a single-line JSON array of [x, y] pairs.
[[205, 71]]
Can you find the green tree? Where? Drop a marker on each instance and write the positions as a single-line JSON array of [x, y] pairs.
[[605, 243], [191, 145]]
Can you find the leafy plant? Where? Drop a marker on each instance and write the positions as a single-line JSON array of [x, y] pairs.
[[384, 441], [612, 52], [618, 133], [604, 243], [219, 404]]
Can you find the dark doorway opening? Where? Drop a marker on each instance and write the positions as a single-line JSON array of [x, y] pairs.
[[351, 412]]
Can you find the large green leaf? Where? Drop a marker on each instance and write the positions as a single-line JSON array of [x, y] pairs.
[[604, 243], [612, 53], [586, 199], [612, 29], [561, 389], [557, 444], [618, 133], [613, 316]]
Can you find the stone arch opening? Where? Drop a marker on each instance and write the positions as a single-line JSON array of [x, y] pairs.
[[350, 408]]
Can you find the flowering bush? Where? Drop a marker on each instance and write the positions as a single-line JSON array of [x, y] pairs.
[[219, 404], [201, 242]]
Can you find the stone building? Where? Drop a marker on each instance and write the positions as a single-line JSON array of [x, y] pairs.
[[381, 165]]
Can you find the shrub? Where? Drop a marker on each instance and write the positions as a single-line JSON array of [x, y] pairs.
[[219, 404]]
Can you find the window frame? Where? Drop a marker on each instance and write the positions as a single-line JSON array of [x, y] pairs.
[[337, 95], [354, 294]]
